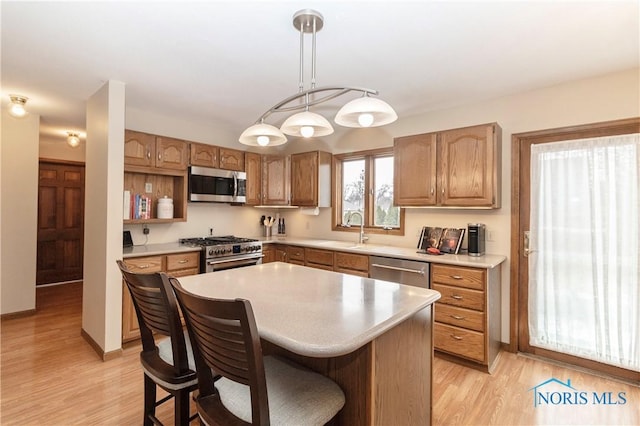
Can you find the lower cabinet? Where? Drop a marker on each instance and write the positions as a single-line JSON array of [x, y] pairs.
[[348, 263], [174, 264], [467, 316]]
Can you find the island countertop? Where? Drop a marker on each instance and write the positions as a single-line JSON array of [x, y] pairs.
[[312, 312]]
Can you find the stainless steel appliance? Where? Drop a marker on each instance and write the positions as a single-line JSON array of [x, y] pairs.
[[409, 272], [216, 185], [226, 252]]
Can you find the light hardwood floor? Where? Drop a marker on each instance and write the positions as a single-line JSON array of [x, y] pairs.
[[50, 376]]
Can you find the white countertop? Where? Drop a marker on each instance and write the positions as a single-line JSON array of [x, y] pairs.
[[487, 261], [156, 249], [313, 312]]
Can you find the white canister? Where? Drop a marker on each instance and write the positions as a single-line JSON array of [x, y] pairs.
[[165, 208]]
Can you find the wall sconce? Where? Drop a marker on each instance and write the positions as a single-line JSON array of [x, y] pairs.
[[16, 107], [73, 139]]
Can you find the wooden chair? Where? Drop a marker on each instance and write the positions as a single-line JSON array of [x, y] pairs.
[[167, 362], [253, 389]]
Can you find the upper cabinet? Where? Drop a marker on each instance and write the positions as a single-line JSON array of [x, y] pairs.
[[253, 168], [452, 168], [204, 155], [145, 150], [231, 159], [311, 179], [276, 172], [155, 167]]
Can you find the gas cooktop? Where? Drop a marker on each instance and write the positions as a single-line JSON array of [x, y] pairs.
[[215, 240]]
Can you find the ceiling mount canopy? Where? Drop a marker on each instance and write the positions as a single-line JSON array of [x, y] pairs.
[[365, 111]]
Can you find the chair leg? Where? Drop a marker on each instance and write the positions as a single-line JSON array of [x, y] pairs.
[[149, 400], [181, 409]]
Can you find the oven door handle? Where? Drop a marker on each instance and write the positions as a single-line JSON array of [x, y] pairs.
[[252, 258]]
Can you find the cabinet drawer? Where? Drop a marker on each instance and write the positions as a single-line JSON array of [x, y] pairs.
[[349, 261], [295, 253], [183, 261], [459, 341], [318, 257], [141, 265], [457, 296], [460, 317], [458, 276], [184, 272]]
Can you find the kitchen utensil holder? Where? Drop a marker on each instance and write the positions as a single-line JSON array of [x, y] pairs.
[[266, 231]]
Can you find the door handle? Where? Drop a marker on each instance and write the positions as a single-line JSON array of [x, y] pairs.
[[526, 249], [397, 268]]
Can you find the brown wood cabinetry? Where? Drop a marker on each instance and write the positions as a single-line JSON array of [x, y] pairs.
[[146, 150], [452, 168], [311, 179], [231, 159], [174, 264], [467, 316], [156, 167], [295, 255], [318, 258], [350, 263], [203, 155], [276, 173], [253, 168], [268, 253]]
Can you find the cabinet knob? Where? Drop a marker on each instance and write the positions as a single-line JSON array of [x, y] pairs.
[[149, 154]]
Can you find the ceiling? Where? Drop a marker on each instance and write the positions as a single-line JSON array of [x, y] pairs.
[[229, 61]]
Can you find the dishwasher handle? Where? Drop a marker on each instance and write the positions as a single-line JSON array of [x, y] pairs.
[[397, 268]]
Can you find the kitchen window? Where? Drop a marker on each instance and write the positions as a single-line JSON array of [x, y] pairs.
[[363, 183]]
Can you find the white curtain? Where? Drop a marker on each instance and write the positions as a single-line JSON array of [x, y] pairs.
[[584, 268]]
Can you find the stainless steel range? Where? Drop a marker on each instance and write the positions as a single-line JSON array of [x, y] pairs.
[[226, 252]]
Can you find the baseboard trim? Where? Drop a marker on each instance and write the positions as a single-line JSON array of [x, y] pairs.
[[105, 356], [20, 314]]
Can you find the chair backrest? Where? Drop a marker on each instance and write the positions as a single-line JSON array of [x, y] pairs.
[[225, 339], [157, 312]]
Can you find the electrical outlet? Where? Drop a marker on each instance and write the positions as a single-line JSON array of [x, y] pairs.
[[307, 225], [148, 187], [145, 229], [490, 235]]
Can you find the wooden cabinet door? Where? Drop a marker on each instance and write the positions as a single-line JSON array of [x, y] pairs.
[[275, 180], [253, 168], [204, 155], [280, 253], [311, 179], [414, 181], [130, 327], [139, 148], [231, 159], [171, 153], [469, 167], [268, 254]]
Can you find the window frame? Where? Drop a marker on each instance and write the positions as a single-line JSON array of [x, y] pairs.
[[369, 157]]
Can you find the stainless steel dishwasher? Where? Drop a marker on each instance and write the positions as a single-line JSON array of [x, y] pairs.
[[410, 272]]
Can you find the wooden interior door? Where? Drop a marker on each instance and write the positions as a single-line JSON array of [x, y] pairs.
[[60, 222], [520, 214]]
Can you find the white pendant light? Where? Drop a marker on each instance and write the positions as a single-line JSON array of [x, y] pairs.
[[16, 107], [262, 134], [307, 124], [366, 112], [362, 112]]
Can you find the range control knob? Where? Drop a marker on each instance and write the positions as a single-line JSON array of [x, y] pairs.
[[210, 252]]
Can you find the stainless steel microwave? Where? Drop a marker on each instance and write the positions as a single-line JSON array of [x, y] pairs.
[[216, 185]]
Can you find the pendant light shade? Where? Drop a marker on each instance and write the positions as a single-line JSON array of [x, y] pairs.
[[366, 112], [262, 134], [362, 112], [307, 124]]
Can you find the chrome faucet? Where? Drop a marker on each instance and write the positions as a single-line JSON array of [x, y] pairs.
[[361, 238]]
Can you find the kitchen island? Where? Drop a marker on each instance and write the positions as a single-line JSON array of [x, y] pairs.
[[374, 338]]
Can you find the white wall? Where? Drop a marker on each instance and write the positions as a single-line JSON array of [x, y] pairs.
[[58, 149], [18, 212], [104, 180]]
